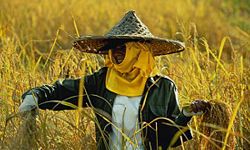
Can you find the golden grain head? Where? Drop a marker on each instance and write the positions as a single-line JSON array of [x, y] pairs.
[[35, 48], [214, 125]]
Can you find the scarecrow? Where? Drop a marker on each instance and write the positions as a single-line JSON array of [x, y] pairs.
[[135, 108]]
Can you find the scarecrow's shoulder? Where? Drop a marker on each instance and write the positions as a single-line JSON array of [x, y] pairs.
[[96, 79], [165, 79], [103, 70], [100, 72], [98, 75]]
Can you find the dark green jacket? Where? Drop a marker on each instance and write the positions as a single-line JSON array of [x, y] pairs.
[[158, 105]]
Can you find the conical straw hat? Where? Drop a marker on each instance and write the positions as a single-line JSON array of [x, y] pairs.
[[130, 28]]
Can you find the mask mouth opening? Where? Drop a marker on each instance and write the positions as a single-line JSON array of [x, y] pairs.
[[118, 53]]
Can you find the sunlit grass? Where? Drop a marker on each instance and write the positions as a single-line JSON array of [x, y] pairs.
[[35, 49]]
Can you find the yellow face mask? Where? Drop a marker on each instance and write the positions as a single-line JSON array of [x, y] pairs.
[[129, 77]]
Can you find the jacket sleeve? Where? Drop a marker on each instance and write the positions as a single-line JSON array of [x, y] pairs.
[[62, 95], [65, 94], [179, 118], [174, 108], [170, 128]]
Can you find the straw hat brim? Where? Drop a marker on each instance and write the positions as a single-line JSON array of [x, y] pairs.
[[158, 46]]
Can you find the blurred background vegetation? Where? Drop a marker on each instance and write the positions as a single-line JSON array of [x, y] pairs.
[[35, 48]]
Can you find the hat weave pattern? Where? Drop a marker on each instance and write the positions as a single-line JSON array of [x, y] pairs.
[[130, 25], [130, 28]]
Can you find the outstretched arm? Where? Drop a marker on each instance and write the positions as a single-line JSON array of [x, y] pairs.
[[62, 95], [197, 107]]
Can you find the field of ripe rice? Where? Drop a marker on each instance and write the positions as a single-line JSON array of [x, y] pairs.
[[36, 48]]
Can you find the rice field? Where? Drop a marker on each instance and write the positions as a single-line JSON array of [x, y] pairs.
[[36, 48]]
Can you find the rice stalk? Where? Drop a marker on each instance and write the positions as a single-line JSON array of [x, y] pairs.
[[26, 136], [219, 117], [52, 47]]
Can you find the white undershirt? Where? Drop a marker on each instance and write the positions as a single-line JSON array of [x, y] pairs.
[[125, 120]]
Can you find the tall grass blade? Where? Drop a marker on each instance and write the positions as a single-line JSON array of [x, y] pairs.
[[232, 119], [52, 48]]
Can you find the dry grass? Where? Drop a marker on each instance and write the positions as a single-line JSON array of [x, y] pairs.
[[35, 48]]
